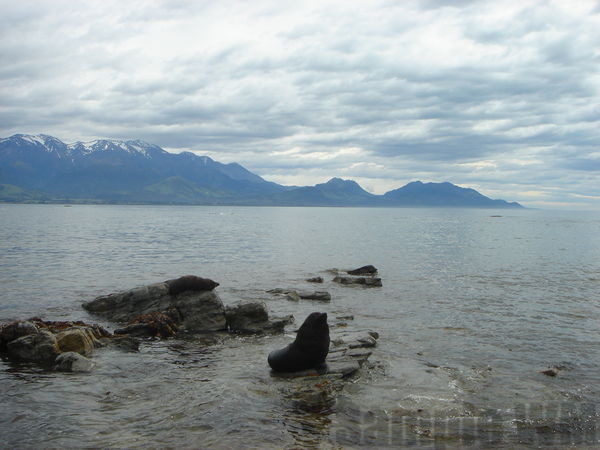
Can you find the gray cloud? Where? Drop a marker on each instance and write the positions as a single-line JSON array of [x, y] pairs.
[[503, 95]]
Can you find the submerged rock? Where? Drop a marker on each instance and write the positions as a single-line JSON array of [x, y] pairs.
[[322, 296], [124, 343], [295, 295], [154, 324], [315, 280], [365, 281]]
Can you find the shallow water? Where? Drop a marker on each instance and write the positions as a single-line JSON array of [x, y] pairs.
[[472, 308]]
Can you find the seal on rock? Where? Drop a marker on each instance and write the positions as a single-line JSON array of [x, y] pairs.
[[308, 351], [190, 283]]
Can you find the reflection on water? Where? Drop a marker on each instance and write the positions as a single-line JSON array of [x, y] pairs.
[[472, 310]]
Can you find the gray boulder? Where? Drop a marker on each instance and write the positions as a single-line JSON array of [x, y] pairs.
[[199, 308], [15, 330], [73, 362], [39, 347], [252, 317]]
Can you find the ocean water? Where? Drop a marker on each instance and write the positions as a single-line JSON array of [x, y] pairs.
[[474, 305]]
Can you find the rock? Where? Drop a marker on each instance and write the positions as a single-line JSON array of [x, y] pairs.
[[366, 281], [201, 311], [252, 317], [198, 310], [154, 324], [140, 330], [345, 359], [364, 270], [315, 280], [125, 306], [293, 296], [73, 362], [552, 372], [77, 339], [323, 296], [39, 347], [124, 343], [349, 317], [15, 330], [279, 291]]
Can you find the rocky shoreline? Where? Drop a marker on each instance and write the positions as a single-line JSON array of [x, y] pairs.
[[178, 307]]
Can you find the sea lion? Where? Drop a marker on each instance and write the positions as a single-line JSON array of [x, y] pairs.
[[190, 283], [308, 351]]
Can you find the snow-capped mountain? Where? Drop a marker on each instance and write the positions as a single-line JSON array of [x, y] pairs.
[[43, 168], [115, 170]]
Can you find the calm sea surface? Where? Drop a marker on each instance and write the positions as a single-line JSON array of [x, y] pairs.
[[473, 307]]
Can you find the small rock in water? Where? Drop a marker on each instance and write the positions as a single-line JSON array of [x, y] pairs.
[[552, 372], [315, 280], [364, 270], [73, 362], [366, 281], [252, 317], [350, 317], [293, 296], [323, 296]]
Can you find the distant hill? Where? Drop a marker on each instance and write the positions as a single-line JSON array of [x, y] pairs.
[[336, 192], [441, 194], [42, 168]]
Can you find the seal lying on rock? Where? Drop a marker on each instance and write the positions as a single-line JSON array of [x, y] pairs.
[[308, 351], [190, 283]]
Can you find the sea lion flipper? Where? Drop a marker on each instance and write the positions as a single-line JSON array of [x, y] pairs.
[[322, 369]]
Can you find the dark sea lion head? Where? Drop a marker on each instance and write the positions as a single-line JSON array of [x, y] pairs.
[[314, 334]]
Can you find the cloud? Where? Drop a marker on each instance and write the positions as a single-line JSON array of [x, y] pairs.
[[498, 94]]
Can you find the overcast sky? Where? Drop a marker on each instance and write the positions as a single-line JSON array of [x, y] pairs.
[[501, 96]]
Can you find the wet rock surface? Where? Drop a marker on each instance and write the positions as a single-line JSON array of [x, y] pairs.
[[252, 317], [317, 389], [347, 352], [297, 295], [199, 308], [315, 280], [44, 342], [73, 362], [365, 281]]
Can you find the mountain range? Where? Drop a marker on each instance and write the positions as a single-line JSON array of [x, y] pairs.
[[42, 168]]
